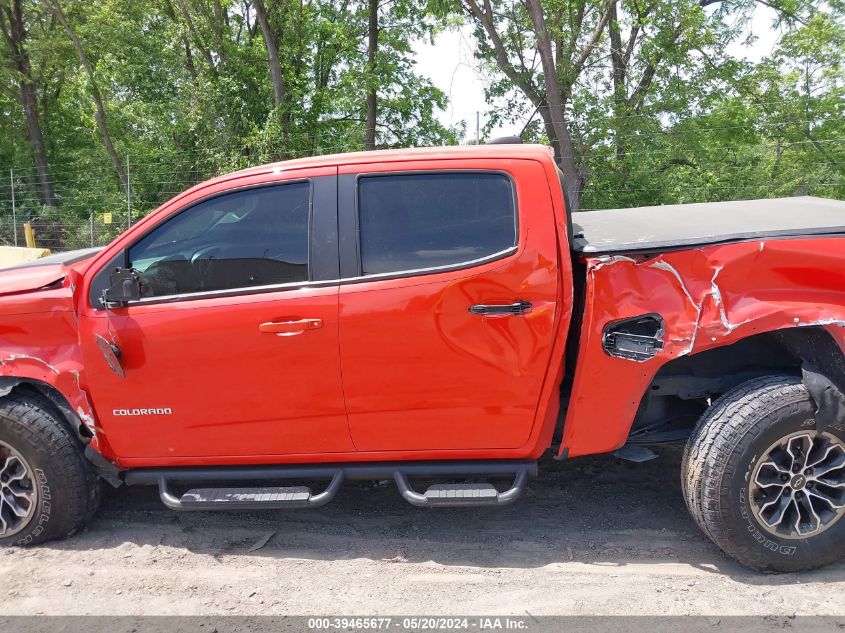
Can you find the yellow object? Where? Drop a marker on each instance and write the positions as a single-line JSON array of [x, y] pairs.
[[14, 255], [107, 218], [30, 235]]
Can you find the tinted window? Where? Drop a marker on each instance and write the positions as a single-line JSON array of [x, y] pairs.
[[426, 220], [248, 238]]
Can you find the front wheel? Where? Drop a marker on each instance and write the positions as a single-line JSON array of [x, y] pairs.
[[763, 482], [47, 488]]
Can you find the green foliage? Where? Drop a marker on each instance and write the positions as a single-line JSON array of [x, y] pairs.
[[678, 115], [187, 94], [732, 129]]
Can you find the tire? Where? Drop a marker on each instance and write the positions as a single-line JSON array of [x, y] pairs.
[[53, 489], [733, 478]]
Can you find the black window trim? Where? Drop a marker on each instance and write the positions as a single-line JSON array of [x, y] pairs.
[[246, 290], [418, 272]]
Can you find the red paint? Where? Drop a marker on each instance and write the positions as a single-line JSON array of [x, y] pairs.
[[741, 289], [38, 341], [399, 369], [25, 279], [422, 373], [232, 389]]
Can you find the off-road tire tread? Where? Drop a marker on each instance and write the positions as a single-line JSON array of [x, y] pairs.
[[76, 489], [731, 423]]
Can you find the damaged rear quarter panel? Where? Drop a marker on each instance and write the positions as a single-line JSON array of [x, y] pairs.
[[708, 297]]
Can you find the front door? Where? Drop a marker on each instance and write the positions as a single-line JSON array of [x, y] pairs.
[[448, 303], [233, 348]]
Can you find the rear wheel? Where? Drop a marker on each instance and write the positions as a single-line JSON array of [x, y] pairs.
[[763, 482], [47, 487]]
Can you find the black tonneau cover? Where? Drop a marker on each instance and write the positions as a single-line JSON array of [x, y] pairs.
[[650, 228]]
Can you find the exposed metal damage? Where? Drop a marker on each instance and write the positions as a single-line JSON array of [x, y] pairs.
[[697, 305], [708, 297], [43, 349], [24, 367], [716, 293]]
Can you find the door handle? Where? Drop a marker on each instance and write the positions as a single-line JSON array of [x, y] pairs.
[[290, 328], [511, 309]]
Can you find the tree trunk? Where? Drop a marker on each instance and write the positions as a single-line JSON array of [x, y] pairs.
[[617, 57], [189, 56], [553, 115], [16, 35], [217, 24], [189, 59], [372, 95], [29, 100], [272, 45], [100, 112], [203, 49]]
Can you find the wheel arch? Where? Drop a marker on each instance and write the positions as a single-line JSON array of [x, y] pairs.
[[10, 386], [687, 384]]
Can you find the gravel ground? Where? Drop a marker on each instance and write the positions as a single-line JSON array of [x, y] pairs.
[[593, 536]]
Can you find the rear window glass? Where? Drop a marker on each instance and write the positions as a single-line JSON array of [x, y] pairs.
[[419, 221]]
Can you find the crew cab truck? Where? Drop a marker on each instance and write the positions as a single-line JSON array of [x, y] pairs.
[[432, 314]]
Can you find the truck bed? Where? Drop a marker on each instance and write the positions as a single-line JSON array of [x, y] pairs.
[[668, 226]]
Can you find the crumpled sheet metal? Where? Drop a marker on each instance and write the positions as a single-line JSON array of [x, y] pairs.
[[65, 381], [44, 346], [708, 297]]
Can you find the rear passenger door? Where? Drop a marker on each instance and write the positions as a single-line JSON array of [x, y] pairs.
[[447, 303]]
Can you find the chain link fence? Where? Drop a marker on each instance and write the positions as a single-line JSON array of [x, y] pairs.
[[61, 235], [92, 207]]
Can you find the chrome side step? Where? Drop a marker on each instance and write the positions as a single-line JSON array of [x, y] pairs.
[[273, 498], [455, 495]]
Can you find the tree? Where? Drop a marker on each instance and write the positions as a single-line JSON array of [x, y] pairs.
[[599, 56], [272, 54], [100, 112], [727, 127], [16, 39], [190, 89], [563, 44], [372, 95], [639, 99]]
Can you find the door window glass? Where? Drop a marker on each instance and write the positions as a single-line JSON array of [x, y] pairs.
[[418, 221], [255, 237]]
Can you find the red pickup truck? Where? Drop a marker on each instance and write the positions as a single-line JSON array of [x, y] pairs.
[[432, 315]]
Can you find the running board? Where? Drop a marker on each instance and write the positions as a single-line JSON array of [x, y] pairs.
[[456, 495], [274, 498], [253, 496]]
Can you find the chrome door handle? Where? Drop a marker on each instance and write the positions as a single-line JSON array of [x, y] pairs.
[[290, 328], [512, 309]]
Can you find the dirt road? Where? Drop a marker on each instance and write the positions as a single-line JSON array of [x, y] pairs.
[[593, 536]]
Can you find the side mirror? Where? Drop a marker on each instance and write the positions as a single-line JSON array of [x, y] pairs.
[[124, 286]]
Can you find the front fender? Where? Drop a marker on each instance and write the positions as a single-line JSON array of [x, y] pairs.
[[39, 345], [60, 385], [708, 298]]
